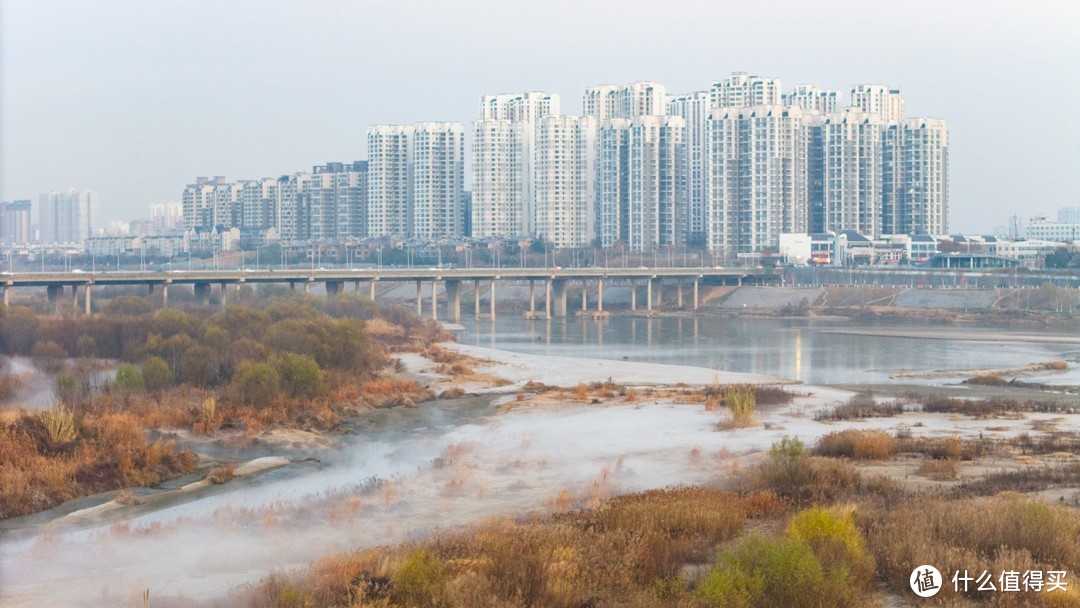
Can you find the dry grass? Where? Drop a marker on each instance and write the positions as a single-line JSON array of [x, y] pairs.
[[998, 534], [859, 406], [938, 470], [92, 453], [629, 551], [857, 444]]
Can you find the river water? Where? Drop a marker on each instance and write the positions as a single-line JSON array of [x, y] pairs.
[[808, 350]]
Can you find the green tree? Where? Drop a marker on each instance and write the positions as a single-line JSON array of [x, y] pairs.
[[128, 306], [300, 375], [128, 379], [1062, 257], [255, 383], [156, 375]]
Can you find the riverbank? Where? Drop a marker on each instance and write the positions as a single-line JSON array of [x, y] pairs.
[[439, 474]]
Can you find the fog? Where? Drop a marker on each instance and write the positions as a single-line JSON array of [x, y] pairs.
[[383, 490]]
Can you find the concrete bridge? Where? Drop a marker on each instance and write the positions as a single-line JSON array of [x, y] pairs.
[[554, 282]]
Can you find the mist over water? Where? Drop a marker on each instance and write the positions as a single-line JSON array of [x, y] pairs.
[[411, 471]]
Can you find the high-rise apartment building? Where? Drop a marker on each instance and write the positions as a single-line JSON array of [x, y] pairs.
[[852, 170], [503, 161], [15, 222], [741, 90], [879, 99], [641, 186], [166, 216], [519, 107], [605, 102], [389, 179], [335, 195], [438, 180], [810, 97], [694, 108], [68, 217], [416, 177], [924, 177], [565, 181], [199, 200], [758, 178]]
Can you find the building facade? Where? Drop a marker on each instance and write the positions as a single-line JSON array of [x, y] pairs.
[[15, 223], [565, 181], [68, 217], [641, 184]]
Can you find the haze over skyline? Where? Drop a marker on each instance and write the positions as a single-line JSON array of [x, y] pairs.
[[136, 99]]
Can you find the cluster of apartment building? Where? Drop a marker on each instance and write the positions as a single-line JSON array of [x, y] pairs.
[[730, 167]]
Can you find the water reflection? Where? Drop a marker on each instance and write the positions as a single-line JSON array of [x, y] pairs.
[[802, 349]]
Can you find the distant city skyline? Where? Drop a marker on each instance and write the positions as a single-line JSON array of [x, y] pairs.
[[117, 98]]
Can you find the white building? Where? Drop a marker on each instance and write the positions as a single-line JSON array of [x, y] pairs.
[[198, 201], [924, 177], [694, 109], [1059, 232], [810, 97], [852, 167], [68, 217], [437, 180], [757, 182], [879, 99], [389, 179], [641, 182], [741, 90], [503, 161], [605, 102], [565, 181]]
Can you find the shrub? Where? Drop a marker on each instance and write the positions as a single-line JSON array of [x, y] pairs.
[[156, 375], [820, 561], [858, 444], [59, 426], [300, 375], [255, 383], [792, 473], [420, 580], [48, 356], [128, 379]]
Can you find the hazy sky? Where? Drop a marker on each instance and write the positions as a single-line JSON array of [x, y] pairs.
[[135, 98]]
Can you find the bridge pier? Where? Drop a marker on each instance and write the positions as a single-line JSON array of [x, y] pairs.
[[695, 294], [558, 287], [202, 293], [648, 294], [86, 298], [164, 296], [584, 297], [633, 295], [53, 292], [476, 297], [334, 287], [307, 286], [532, 299], [679, 292], [600, 296], [225, 295], [419, 300], [371, 290], [493, 299], [74, 298], [453, 301], [434, 301], [7, 296], [547, 300], [659, 299]]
